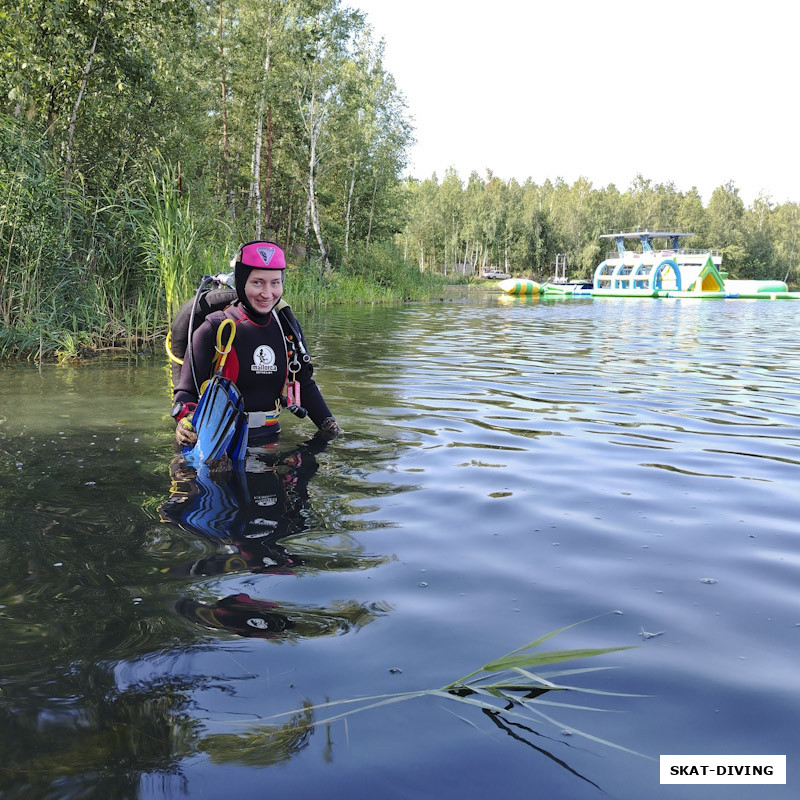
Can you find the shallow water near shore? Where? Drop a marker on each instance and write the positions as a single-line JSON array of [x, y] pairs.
[[510, 466]]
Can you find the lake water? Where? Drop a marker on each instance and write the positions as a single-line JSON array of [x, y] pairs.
[[510, 467]]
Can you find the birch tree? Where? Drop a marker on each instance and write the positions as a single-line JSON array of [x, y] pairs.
[[327, 36], [268, 28], [84, 78], [787, 238]]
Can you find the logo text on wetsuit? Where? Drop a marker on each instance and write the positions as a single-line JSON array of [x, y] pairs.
[[264, 360]]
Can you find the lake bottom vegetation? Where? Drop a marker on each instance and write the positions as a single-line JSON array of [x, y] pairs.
[[142, 140]]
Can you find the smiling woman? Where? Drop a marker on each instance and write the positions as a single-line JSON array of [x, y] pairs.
[[279, 372], [263, 289]]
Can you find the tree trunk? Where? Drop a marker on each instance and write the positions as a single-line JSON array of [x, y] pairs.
[[84, 80], [268, 180], [312, 205], [226, 156], [256, 166], [314, 127], [347, 210], [789, 268], [252, 190], [259, 138], [372, 210], [289, 240]]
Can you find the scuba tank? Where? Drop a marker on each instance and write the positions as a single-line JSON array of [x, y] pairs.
[[215, 293]]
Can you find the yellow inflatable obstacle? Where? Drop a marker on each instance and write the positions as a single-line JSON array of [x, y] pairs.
[[512, 286]]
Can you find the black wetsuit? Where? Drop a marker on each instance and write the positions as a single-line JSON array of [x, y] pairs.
[[258, 364]]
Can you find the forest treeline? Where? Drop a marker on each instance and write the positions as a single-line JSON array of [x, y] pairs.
[[521, 227], [141, 140]]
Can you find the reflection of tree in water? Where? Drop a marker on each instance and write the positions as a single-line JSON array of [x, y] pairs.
[[101, 746], [269, 745], [83, 596], [95, 743]]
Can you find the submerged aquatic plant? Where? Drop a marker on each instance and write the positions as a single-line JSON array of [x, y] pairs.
[[502, 688]]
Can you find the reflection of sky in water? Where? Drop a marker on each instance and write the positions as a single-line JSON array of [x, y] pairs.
[[508, 469]]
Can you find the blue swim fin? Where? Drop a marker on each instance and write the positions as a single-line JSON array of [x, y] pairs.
[[221, 424], [238, 442]]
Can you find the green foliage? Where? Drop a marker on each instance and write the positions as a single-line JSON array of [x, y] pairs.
[[168, 234], [117, 192], [371, 274]]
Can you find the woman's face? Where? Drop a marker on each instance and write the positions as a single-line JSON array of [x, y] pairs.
[[263, 289]]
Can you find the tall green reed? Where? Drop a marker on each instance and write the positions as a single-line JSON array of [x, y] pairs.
[[38, 268], [107, 272], [168, 235]]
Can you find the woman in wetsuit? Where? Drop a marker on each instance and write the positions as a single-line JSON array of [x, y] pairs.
[[267, 360]]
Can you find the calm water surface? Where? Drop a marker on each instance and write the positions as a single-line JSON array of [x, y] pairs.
[[509, 467]]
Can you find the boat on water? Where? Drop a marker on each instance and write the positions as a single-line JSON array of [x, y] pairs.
[[650, 269], [668, 270]]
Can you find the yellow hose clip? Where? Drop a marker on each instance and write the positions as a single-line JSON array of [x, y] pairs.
[[223, 349]]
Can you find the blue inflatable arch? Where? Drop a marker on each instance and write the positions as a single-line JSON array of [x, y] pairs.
[[655, 277]]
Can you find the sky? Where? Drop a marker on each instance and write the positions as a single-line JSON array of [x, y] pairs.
[[694, 93]]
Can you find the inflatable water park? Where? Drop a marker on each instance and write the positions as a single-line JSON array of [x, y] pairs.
[[652, 272]]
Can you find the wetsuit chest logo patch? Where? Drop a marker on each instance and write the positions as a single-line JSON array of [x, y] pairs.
[[264, 360]]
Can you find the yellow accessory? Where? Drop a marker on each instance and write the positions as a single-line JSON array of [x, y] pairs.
[[222, 349], [168, 345]]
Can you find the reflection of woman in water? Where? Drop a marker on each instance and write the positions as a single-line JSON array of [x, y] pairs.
[[249, 511], [247, 514]]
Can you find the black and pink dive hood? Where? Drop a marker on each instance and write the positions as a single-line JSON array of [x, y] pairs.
[[255, 255]]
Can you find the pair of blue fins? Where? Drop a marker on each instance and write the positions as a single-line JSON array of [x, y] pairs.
[[221, 424]]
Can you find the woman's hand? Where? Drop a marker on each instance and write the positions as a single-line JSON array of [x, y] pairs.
[[185, 433], [329, 428]]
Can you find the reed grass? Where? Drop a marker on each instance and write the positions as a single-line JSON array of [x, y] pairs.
[[78, 272], [168, 233], [502, 687]]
